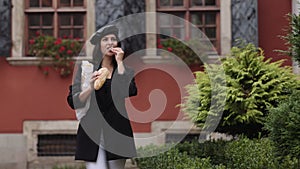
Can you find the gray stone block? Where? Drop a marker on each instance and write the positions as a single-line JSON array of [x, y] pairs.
[[13, 151]]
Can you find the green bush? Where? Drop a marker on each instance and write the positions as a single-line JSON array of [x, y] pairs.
[[69, 167], [252, 85], [256, 154], [292, 37], [251, 154], [283, 123], [243, 153], [174, 158], [214, 150]]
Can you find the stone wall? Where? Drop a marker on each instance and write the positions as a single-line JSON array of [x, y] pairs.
[[13, 151], [244, 21], [5, 28]]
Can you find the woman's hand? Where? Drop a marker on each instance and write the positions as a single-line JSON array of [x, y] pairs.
[[94, 77], [84, 95], [119, 54]]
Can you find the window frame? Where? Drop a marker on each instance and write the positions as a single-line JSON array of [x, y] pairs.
[[19, 31], [187, 10], [56, 10]]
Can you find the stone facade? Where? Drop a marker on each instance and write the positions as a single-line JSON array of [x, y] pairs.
[[13, 151], [244, 21], [5, 28]]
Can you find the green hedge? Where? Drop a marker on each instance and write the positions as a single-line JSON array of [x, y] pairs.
[[70, 167], [175, 159], [251, 154], [238, 154], [283, 123], [212, 149]]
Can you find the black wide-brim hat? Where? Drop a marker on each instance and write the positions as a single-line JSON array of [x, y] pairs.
[[105, 30]]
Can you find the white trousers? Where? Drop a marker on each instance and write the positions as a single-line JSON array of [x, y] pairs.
[[102, 163]]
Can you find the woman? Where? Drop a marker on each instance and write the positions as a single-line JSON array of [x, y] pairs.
[[104, 136]]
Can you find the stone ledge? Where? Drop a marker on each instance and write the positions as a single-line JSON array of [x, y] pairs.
[[13, 151], [34, 61]]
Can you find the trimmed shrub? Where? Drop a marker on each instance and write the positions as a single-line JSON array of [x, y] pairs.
[[69, 167], [174, 158], [243, 153], [251, 154], [252, 85], [283, 123], [214, 150]]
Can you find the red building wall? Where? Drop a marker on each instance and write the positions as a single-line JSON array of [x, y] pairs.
[[271, 22], [26, 94]]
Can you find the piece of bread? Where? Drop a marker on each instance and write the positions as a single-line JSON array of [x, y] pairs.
[[101, 79]]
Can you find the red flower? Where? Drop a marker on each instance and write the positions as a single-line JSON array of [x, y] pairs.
[[65, 36], [62, 48], [31, 41], [37, 33], [46, 70], [170, 49], [69, 52], [160, 46], [58, 41], [158, 41]]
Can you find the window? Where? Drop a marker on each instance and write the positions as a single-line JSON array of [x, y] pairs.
[[58, 18], [56, 144], [50, 140], [48, 14], [205, 14]]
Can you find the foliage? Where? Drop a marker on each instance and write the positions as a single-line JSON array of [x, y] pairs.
[[292, 37], [214, 150], [60, 51], [173, 158], [252, 85], [69, 167], [183, 50], [283, 123], [243, 153], [251, 154]]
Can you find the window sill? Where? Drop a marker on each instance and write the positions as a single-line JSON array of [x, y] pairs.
[[212, 57], [156, 60], [34, 61]]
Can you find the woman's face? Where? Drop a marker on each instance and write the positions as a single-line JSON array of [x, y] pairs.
[[107, 42]]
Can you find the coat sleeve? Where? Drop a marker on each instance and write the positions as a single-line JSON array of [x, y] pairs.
[[125, 83], [74, 91]]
